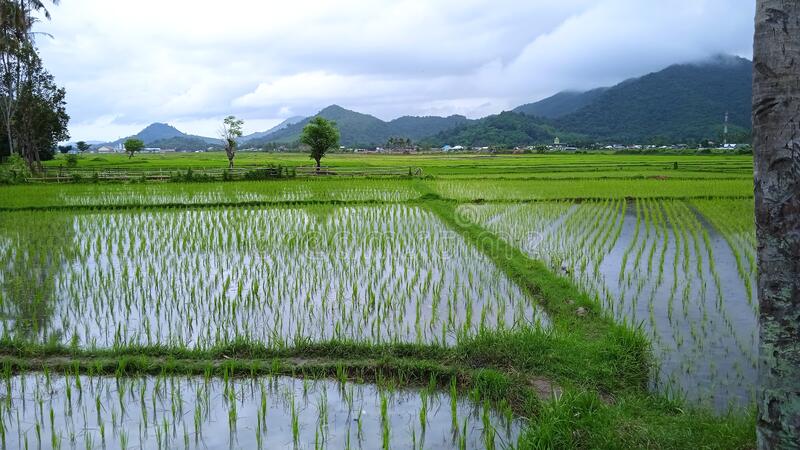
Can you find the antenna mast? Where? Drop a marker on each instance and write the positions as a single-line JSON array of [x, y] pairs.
[[725, 131]]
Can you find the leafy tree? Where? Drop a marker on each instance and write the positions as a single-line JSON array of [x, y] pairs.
[[64, 149], [321, 135], [82, 146], [132, 146], [398, 142], [230, 131], [40, 118], [776, 107], [18, 61]]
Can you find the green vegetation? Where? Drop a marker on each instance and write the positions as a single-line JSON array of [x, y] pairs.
[[231, 131], [320, 135], [682, 103], [363, 130], [472, 165], [207, 310], [505, 130], [133, 146]]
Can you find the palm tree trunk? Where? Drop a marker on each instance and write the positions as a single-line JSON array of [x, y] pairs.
[[776, 137]]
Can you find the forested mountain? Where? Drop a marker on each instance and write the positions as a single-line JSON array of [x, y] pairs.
[[261, 134], [507, 129], [682, 103], [359, 129], [166, 136], [685, 102], [561, 104]]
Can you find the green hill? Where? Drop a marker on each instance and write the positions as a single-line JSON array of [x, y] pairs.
[[561, 104], [507, 129], [684, 102], [364, 130], [166, 136], [184, 143]]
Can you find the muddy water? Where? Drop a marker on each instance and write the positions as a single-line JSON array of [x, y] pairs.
[[40, 411]]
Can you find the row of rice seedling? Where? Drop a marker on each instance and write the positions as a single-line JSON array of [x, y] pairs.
[[198, 278], [388, 190], [735, 221], [651, 263], [74, 411], [591, 188]]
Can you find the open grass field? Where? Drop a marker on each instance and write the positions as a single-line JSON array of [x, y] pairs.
[[519, 301], [438, 164]]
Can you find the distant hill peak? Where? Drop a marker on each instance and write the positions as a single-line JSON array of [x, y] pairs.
[[721, 59]]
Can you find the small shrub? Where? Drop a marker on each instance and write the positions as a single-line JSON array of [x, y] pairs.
[[268, 173], [72, 160], [15, 171]]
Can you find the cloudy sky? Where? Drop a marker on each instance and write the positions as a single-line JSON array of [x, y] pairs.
[[189, 63]]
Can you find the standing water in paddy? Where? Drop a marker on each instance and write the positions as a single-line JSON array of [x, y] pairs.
[[170, 412], [664, 266], [208, 276]]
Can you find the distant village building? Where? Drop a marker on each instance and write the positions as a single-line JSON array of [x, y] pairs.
[[106, 149]]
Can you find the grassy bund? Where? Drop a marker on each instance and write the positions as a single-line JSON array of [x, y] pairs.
[[531, 301]]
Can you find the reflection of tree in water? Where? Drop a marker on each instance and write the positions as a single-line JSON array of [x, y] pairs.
[[33, 248]]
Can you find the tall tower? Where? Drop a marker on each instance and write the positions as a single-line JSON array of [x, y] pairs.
[[725, 131]]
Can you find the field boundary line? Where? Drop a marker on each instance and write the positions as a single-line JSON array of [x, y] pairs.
[[367, 202]]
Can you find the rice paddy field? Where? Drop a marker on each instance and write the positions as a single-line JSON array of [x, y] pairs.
[[525, 301]]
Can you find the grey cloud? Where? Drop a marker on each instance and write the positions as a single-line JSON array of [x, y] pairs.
[[130, 63]]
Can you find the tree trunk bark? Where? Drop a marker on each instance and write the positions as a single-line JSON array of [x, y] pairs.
[[776, 139], [318, 160], [231, 154]]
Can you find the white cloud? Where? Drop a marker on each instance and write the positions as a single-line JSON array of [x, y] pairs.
[[191, 62]]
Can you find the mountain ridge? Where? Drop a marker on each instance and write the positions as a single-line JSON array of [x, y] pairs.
[[682, 103], [359, 129]]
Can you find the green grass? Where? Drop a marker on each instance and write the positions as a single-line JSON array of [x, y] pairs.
[[437, 164]]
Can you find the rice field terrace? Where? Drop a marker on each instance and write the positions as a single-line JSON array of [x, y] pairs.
[[367, 273], [47, 410], [658, 264], [525, 301]]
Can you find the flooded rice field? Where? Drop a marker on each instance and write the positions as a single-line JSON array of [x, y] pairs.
[[196, 278], [47, 410], [685, 272]]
